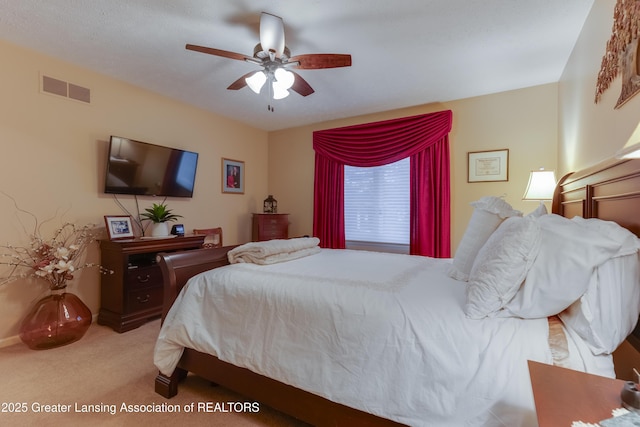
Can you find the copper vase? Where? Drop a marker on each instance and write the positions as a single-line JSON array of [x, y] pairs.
[[56, 320]]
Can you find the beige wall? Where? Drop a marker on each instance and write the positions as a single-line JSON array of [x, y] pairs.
[[53, 151], [589, 132], [523, 121]]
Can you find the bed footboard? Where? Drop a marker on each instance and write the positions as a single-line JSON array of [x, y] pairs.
[[178, 267], [167, 387]]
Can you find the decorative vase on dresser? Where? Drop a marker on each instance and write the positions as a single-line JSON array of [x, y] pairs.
[[267, 226]]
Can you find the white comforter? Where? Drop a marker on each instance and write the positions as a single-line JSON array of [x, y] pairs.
[[274, 251], [382, 333]]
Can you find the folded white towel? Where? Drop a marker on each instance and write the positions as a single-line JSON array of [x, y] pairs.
[[273, 251]]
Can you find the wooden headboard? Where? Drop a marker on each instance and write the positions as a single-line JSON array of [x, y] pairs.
[[609, 191]]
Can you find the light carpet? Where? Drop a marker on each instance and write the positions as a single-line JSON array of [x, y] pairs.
[[108, 370]]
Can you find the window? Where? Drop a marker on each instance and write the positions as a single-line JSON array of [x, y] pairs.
[[377, 207]]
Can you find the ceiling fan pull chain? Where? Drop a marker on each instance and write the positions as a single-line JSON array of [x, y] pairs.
[[270, 92]]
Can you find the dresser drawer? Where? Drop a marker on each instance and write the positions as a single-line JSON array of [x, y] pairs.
[[274, 233], [272, 220], [270, 226], [141, 277], [274, 224], [133, 294], [144, 299]]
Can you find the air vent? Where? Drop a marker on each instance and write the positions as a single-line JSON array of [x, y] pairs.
[[68, 90], [54, 86], [79, 93]]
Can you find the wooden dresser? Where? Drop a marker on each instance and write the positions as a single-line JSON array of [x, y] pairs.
[[133, 294], [270, 226]]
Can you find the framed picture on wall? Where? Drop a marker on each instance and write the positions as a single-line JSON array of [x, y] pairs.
[[232, 176], [488, 166], [118, 226]]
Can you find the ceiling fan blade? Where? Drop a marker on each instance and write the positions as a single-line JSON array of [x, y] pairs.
[[272, 33], [315, 61], [241, 82], [301, 86], [219, 52]]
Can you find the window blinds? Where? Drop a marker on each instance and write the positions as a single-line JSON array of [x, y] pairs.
[[376, 203]]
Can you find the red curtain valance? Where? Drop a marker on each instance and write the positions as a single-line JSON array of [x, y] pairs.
[[381, 143], [424, 139]]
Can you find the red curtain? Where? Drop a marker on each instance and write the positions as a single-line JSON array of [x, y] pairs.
[[423, 138]]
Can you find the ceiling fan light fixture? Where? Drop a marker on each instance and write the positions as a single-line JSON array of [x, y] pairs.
[[256, 81], [279, 92], [284, 78]]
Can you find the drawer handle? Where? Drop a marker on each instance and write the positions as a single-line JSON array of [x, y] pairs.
[[144, 279], [144, 300]]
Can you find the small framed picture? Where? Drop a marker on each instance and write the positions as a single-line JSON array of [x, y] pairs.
[[488, 166], [118, 226], [232, 176]]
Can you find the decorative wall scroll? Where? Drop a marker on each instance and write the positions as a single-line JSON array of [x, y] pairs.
[[622, 52]]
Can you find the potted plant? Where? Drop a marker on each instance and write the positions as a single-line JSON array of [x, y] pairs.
[[159, 215]]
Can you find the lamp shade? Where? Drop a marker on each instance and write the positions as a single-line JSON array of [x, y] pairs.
[[541, 185]]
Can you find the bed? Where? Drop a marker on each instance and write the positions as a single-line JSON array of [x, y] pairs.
[[353, 348]]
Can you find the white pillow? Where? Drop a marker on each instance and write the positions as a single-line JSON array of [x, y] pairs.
[[607, 313], [488, 214], [501, 266], [629, 241], [539, 211], [569, 254]]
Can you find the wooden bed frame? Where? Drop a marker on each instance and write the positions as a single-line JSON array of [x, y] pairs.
[[177, 268], [610, 191]]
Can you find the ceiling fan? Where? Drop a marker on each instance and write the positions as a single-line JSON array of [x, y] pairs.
[[276, 61]]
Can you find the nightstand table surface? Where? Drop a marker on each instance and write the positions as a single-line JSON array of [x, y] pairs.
[[563, 396]]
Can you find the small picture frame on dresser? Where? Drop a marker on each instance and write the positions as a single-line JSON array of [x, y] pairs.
[[118, 226]]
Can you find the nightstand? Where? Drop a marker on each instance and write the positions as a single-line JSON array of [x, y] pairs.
[[564, 395], [270, 226]]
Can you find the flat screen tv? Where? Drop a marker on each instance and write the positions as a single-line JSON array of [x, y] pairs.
[[135, 167]]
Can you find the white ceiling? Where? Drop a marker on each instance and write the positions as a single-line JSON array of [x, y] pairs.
[[404, 52]]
